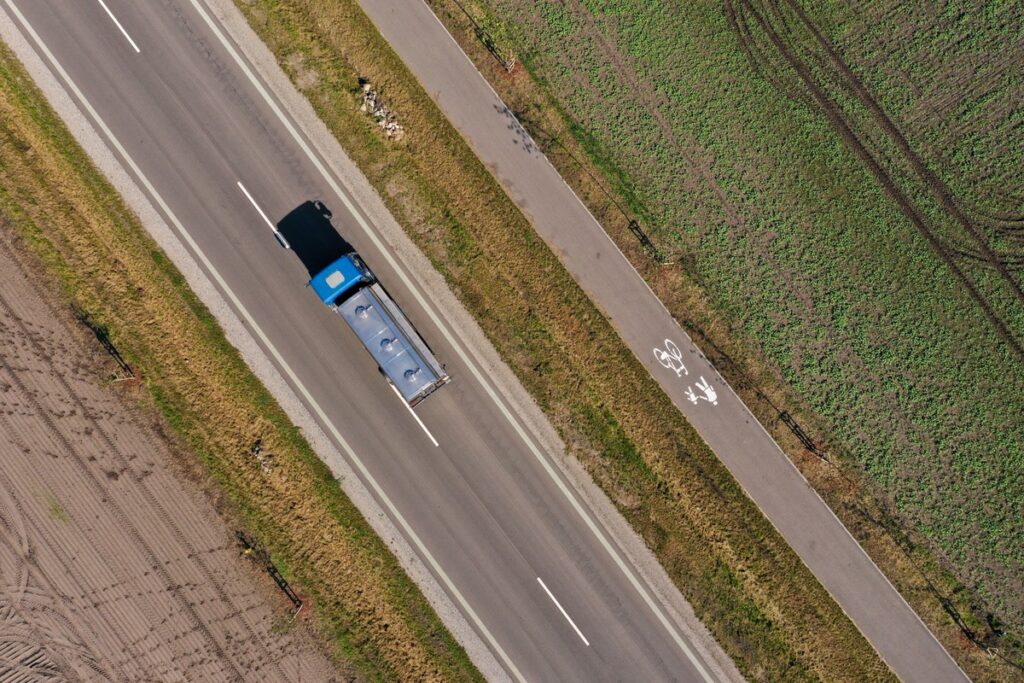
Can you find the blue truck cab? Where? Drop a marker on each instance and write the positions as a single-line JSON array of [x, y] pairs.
[[349, 287], [331, 283]]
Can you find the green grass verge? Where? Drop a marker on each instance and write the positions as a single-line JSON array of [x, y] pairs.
[[98, 256]]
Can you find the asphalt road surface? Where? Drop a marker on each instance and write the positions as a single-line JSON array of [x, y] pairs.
[[721, 418], [541, 583]]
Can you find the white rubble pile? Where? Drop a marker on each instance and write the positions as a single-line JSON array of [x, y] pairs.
[[372, 104]]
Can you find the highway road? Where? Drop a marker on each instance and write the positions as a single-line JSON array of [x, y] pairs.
[[540, 581], [761, 468]]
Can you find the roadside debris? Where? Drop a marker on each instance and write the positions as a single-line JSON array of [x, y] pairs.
[[371, 103], [265, 459]]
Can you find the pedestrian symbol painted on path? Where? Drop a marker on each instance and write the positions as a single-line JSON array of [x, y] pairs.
[[671, 357], [708, 391]]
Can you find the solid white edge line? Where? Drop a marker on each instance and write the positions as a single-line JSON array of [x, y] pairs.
[[450, 338], [256, 206], [413, 413], [564, 613], [363, 471], [118, 24]]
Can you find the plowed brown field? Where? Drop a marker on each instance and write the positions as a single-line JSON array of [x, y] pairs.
[[111, 567]]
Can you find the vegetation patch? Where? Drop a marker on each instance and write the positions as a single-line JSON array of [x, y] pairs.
[[839, 185], [101, 260], [746, 585]]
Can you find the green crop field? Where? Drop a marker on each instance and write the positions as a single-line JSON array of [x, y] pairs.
[[844, 180]]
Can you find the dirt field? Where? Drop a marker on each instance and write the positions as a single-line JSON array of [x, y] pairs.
[[111, 566]]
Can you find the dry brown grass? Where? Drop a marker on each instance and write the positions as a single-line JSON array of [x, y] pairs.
[[902, 555], [758, 599], [99, 257]]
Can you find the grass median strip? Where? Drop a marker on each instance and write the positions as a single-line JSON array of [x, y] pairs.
[[744, 582], [98, 256]]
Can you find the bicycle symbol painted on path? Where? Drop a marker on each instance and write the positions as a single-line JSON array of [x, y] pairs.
[[671, 357]]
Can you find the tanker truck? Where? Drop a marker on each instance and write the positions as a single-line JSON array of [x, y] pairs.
[[350, 289]]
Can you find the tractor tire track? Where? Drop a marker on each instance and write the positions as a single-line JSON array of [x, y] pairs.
[[830, 71], [102, 493], [123, 623], [761, 63], [151, 500], [834, 114], [13, 524], [111, 466], [23, 644], [119, 622], [650, 99], [938, 187]]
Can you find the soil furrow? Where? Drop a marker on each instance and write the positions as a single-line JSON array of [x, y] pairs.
[[117, 594], [25, 557], [150, 499], [121, 618], [100, 492]]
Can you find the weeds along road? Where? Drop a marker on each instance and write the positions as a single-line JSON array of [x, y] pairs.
[[544, 590], [697, 389]]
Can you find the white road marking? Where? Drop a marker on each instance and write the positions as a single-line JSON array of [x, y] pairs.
[[413, 413], [256, 206], [339, 439], [385, 252], [671, 357], [564, 613], [393, 388], [118, 24], [711, 368], [277, 233]]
